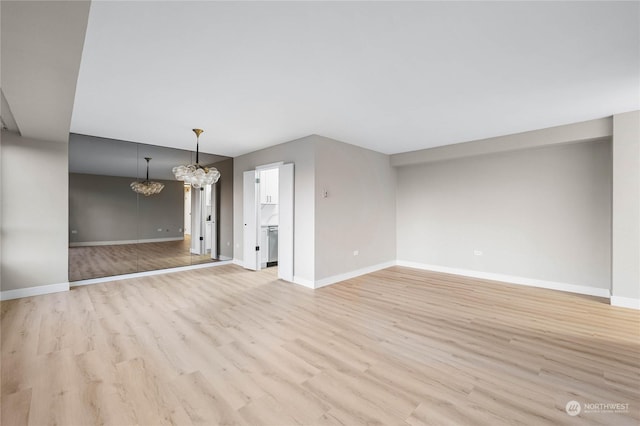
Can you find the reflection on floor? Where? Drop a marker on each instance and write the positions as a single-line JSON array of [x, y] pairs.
[[104, 261]]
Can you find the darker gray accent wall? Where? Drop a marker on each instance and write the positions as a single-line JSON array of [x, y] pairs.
[[225, 219], [104, 208]]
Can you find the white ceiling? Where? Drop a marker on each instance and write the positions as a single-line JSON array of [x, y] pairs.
[[389, 76]]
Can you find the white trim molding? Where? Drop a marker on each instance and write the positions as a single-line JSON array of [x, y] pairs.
[[146, 273], [341, 277], [303, 282], [352, 274], [19, 293], [121, 242], [511, 279], [269, 166], [238, 262], [625, 302]]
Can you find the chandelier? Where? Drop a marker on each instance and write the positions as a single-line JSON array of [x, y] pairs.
[[195, 174], [147, 187]]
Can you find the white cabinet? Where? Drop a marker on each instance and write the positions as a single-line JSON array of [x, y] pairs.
[[269, 186]]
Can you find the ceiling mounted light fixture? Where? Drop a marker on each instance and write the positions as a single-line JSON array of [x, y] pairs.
[[147, 187], [195, 174]]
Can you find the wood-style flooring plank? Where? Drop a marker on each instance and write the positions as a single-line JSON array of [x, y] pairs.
[[226, 346], [88, 262]]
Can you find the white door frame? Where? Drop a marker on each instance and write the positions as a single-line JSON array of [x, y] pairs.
[[285, 221]]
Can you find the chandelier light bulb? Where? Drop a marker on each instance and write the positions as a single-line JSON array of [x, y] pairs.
[[195, 174], [147, 187]]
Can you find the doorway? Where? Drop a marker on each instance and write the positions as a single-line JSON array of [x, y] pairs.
[[187, 209], [268, 218], [204, 212], [268, 190]]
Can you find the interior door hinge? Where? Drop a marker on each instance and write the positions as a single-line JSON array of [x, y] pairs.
[[257, 248], [201, 238]]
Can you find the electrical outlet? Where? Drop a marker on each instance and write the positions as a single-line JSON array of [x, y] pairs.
[[228, 243], [356, 252], [477, 252], [159, 229], [74, 231], [179, 229]]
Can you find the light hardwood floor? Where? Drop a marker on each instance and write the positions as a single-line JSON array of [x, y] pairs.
[[226, 346], [105, 261]]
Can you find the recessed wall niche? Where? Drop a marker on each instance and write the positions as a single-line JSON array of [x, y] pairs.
[[114, 230]]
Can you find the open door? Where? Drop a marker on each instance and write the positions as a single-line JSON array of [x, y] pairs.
[[250, 221], [285, 232], [197, 222]]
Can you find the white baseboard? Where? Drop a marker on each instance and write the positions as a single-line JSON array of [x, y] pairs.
[[33, 291], [511, 279], [303, 282], [625, 302], [121, 242], [147, 273], [225, 258], [352, 274], [341, 277], [238, 262]]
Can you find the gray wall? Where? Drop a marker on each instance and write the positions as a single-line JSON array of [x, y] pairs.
[[583, 131], [358, 212], [301, 153], [34, 212], [626, 207], [104, 208], [541, 213]]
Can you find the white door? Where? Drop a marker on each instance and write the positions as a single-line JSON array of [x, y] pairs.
[[250, 221], [187, 210], [197, 223], [285, 225]]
